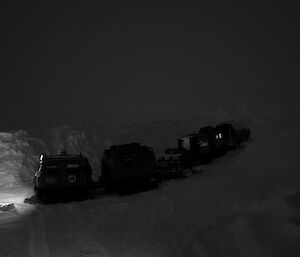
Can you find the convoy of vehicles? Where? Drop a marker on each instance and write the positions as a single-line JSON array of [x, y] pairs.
[[123, 164]]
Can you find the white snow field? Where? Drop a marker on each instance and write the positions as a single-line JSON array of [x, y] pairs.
[[246, 203]]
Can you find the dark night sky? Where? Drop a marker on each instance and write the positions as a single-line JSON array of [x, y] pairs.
[[118, 61]]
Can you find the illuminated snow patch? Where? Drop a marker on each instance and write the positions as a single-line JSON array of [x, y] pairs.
[[6, 207], [18, 157]]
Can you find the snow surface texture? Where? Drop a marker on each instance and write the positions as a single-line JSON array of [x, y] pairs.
[[246, 204]]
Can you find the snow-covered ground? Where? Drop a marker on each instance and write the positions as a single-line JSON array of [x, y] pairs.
[[246, 203]]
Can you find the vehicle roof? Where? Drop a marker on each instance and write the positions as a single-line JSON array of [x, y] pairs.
[[127, 148], [237, 124], [45, 158], [188, 135], [207, 129]]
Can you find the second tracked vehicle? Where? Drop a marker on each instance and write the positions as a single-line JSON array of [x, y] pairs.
[[126, 164]]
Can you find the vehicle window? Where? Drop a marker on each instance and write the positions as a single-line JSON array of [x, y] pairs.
[[73, 167], [51, 169]]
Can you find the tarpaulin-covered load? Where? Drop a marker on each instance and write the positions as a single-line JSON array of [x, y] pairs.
[[127, 162]]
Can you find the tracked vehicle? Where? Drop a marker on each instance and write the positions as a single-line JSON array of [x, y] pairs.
[[234, 134], [62, 175], [194, 148], [127, 164], [216, 139]]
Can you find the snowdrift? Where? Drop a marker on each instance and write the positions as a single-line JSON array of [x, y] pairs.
[[261, 213], [19, 155]]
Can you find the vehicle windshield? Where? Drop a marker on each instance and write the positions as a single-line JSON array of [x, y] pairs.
[[51, 169], [72, 167]]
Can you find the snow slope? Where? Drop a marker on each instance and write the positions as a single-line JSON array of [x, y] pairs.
[[246, 203]]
